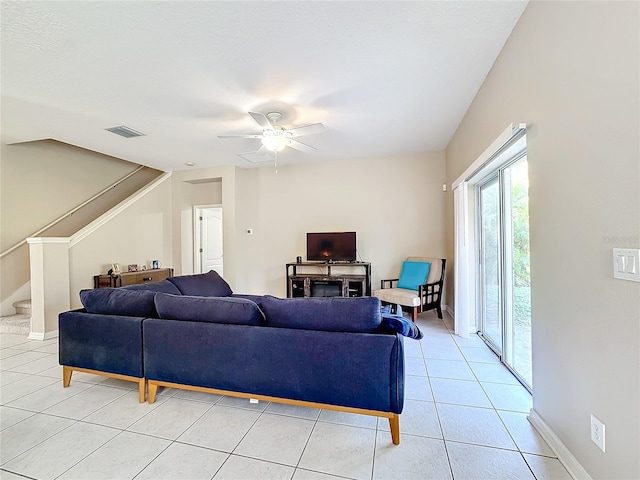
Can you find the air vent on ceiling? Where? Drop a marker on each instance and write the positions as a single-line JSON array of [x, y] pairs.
[[125, 132]]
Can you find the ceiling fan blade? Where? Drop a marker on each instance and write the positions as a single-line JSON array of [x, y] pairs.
[[303, 147], [306, 130], [261, 120], [239, 136]]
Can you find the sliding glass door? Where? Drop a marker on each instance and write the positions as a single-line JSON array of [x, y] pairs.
[[503, 258]]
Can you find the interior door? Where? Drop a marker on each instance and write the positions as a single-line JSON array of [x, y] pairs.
[[209, 240]]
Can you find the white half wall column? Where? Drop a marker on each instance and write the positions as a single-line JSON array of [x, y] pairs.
[[49, 259]]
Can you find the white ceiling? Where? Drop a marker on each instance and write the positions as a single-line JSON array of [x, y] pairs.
[[384, 77]]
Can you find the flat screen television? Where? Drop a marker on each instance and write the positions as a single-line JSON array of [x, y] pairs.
[[331, 246]]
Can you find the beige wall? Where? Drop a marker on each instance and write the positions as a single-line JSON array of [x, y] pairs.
[[395, 205], [570, 70], [138, 234]]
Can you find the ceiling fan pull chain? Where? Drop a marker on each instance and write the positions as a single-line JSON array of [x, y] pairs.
[[275, 162]]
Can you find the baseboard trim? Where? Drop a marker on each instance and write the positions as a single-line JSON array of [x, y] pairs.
[[567, 459], [43, 336]]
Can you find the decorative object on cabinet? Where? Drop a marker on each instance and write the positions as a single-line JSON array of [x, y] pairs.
[[131, 278]]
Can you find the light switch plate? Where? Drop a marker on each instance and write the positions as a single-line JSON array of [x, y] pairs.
[[626, 264]]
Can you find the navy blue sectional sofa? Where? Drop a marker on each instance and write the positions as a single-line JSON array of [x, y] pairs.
[[192, 332]]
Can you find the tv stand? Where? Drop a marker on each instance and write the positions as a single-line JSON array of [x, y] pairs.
[[321, 279]]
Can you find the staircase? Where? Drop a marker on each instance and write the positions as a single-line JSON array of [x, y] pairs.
[[20, 323]]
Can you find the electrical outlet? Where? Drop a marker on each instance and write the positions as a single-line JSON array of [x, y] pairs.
[[597, 432]]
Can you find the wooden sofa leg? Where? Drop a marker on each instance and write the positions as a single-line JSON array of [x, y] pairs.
[[66, 376], [142, 383], [394, 424], [151, 395], [414, 314]]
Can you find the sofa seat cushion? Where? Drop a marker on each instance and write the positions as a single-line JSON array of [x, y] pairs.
[[119, 301], [164, 286], [202, 285], [335, 314], [238, 311]]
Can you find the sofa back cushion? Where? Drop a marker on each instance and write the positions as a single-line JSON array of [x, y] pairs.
[[164, 286], [238, 311], [202, 285], [119, 301], [329, 314]]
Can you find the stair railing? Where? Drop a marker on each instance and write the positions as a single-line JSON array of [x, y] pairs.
[[72, 211]]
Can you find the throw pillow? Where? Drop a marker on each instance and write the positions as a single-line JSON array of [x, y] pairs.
[[401, 325], [334, 314], [202, 285], [238, 311], [413, 274], [119, 301]]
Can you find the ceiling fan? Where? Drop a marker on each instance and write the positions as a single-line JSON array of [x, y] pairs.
[[275, 137]]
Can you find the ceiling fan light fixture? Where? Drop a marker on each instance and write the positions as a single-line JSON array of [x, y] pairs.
[[275, 141]]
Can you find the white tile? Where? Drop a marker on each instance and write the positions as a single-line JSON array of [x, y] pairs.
[[417, 418], [431, 340], [443, 352], [302, 474], [449, 369], [36, 344], [526, 437], [49, 396], [509, 397], [197, 396], [117, 383], [479, 354], [412, 348], [9, 352], [415, 366], [276, 438], [170, 419], [123, 412], [242, 468], [61, 451], [11, 340], [184, 462], [10, 476], [37, 366], [473, 461], [28, 433], [242, 403], [545, 468], [14, 361], [230, 425], [52, 348], [123, 456], [293, 411], [10, 416], [85, 402], [25, 386], [459, 392], [353, 419], [472, 341], [493, 373], [340, 450], [415, 458], [55, 372], [417, 388], [480, 426], [9, 377]]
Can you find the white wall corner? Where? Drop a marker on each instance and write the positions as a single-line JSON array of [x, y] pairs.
[[567, 459]]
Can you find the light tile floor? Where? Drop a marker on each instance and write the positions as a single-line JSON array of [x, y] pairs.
[[465, 417]]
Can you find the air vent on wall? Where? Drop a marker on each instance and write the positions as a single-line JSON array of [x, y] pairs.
[[125, 132]]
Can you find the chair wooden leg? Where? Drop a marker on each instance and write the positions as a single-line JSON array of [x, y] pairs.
[[394, 424], [414, 314], [66, 376]]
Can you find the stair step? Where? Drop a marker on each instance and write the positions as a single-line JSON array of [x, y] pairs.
[[23, 307], [18, 324]]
